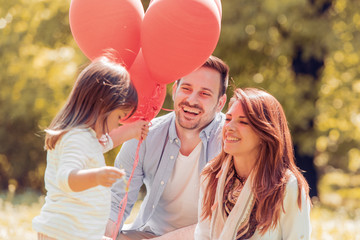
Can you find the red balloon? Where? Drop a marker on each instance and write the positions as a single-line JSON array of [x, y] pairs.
[[177, 36], [151, 95], [98, 25], [218, 4]]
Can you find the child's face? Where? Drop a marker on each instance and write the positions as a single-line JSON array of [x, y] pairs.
[[114, 118]]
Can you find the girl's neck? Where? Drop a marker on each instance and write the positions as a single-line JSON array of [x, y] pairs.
[[98, 131]]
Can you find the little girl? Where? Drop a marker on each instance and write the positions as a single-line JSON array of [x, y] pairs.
[[77, 179]]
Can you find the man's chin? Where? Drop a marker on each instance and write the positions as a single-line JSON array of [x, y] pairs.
[[188, 124]]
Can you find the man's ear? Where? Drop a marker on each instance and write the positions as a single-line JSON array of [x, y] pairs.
[[174, 87], [221, 103]]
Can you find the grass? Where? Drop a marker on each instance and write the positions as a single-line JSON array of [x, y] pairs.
[[337, 216]]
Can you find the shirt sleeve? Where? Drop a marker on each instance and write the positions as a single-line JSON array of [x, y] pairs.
[[107, 143], [295, 223], [202, 230], [125, 160], [73, 155]]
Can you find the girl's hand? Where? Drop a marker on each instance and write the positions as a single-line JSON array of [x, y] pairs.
[[144, 130], [137, 130], [106, 176]]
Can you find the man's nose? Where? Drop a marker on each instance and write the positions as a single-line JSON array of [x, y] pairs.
[[193, 98]]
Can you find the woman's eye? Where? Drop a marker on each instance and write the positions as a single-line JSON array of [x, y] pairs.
[[246, 123], [227, 119]]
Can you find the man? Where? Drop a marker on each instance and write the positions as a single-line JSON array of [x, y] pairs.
[[172, 156]]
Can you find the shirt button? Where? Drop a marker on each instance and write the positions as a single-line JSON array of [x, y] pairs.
[[153, 206], [171, 141], [162, 182], [171, 157], [176, 140]]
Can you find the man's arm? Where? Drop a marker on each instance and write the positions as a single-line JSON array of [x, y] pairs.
[[125, 160]]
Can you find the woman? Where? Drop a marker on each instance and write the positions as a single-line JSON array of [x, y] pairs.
[[253, 189]]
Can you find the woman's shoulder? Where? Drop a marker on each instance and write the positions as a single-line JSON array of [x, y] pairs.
[[292, 183], [161, 121], [292, 187]]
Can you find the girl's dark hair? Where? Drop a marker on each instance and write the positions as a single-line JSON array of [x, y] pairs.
[[100, 88]]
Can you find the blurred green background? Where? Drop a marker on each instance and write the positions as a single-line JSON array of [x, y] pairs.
[[304, 52]]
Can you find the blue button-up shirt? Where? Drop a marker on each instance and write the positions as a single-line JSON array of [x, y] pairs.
[[157, 156]]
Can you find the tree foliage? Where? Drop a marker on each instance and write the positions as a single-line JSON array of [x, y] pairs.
[[304, 52], [38, 62]]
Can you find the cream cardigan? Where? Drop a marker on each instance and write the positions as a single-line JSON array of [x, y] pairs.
[[294, 224]]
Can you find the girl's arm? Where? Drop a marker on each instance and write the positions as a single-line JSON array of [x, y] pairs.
[[73, 173], [80, 180], [137, 130]]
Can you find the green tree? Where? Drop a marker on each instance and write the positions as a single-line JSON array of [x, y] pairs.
[[283, 47], [304, 52], [38, 62]]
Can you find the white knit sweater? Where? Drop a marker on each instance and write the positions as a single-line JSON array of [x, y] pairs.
[[67, 214]]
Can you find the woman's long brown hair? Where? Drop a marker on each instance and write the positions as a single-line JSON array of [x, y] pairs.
[[266, 116], [101, 87]]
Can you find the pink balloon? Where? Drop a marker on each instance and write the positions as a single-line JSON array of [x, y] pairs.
[[151, 95], [98, 25], [177, 36], [218, 4]]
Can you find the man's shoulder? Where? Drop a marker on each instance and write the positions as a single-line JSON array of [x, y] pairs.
[[220, 119], [159, 123], [158, 129], [217, 124]]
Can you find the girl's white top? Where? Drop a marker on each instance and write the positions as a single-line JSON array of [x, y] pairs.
[[67, 214]]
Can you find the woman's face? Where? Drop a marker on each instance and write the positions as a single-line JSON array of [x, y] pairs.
[[240, 140]]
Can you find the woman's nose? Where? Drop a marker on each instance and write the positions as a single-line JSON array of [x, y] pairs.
[[229, 126]]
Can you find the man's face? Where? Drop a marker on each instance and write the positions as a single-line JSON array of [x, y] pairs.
[[196, 98]]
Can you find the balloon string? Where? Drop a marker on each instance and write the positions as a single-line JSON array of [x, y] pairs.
[[123, 202], [168, 110]]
